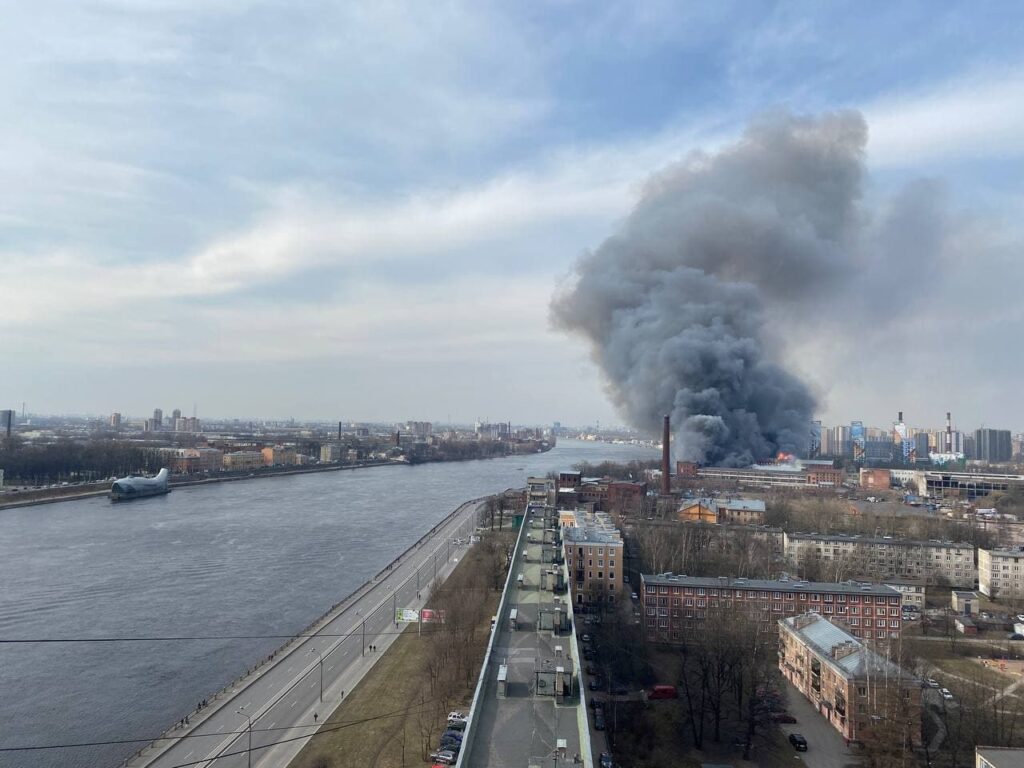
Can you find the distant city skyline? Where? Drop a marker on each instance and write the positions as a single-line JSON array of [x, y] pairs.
[[189, 215]]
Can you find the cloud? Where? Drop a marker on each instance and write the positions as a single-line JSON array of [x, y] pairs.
[[969, 117]]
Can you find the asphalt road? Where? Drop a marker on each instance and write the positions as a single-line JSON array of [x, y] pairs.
[[279, 702]]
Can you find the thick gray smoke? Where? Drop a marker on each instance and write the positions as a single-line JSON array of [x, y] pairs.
[[674, 304]]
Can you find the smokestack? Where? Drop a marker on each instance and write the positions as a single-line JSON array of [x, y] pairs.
[[339, 431], [949, 433], [666, 479]]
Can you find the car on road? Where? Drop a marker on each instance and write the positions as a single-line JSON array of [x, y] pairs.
[[443, 756], [946, 694], [599, 723], [606, 760], [634, 596], [799, 742], [782, 717]]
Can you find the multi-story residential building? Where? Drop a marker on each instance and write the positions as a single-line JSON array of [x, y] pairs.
[[945, 562], [735, 511], [243, 460], [1000, 573], [672, 604], [279, 455], [913, 591], [330, 452], [993, 445], [857, 690], [592, 546]]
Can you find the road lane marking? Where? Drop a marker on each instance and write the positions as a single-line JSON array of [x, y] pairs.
[[293, 703]]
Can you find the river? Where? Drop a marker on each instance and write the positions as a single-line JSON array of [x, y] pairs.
[[255, 557]]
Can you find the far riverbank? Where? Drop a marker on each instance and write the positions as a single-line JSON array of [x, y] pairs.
[[73, 493]]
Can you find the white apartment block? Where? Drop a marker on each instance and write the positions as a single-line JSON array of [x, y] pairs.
[[881, 558], [1000, 572]]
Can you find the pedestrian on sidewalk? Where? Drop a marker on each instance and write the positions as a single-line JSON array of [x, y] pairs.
[[315, 717]]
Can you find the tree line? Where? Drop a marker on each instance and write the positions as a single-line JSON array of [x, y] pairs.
[[67, 461]]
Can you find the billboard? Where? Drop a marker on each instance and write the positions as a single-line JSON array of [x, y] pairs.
[[407, 614]]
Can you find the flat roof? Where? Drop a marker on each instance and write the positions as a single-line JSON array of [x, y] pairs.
[[840, 587]]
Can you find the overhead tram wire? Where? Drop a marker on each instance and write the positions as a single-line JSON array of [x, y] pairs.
[[184, 638], [328, 728]]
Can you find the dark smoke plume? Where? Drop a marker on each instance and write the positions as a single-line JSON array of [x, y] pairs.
[[674, 305]]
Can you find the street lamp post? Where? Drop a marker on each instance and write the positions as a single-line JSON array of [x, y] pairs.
[[321, 655], [248, 717]]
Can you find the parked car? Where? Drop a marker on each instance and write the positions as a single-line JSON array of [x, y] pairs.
[[443, 756], [588, 654], [594, 703], [606, 760], [1020, 617], [932, 683], [1016, 636], [946, 694], [591, 669], [799, 742], [663, 692], [596, 683], [782, 717], [452, 734], [456, 717], [599, 721], [585, 638], [457, 725]]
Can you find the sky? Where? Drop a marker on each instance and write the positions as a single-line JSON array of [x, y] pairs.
[[362, 210]]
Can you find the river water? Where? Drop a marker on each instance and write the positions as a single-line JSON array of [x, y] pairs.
[[255, 557]]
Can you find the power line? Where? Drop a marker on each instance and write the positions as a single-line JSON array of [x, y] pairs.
[[323, 728], [182, 638]]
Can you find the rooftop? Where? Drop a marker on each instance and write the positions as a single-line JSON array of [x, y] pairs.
[[748, 505], [838, 648], [879, 540], [787, 585], [1002, 757]]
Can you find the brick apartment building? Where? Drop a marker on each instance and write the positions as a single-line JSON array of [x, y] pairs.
[[943, 562], [673, 605], [600, 495], [592, 546], [852, 687]]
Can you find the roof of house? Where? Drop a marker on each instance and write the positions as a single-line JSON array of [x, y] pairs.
[[782, 585], [838, 648], [745, 505], [1002, 757]]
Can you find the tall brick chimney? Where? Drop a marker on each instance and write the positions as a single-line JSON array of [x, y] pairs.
[[666, 479]]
